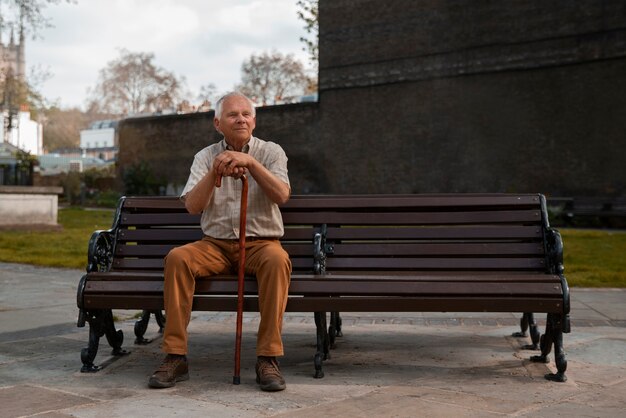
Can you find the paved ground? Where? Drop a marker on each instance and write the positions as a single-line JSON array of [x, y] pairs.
[[384, 366]]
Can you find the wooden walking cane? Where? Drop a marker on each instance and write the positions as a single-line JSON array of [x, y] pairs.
[[241, 272]]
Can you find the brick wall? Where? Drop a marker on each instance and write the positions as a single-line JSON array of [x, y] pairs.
[[474, 96], [441, 96], [167, 144]]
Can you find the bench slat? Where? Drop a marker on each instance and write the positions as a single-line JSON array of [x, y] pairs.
[[165, 235], [352, 250], [374, 263], [414, 218], [184, 218], [342, 286], [157, 263], [436, 233], [443, 263], [192, 234], [456, 276], [343, 304], [161, 250], [159, 219], [437, 248], [413, 201]]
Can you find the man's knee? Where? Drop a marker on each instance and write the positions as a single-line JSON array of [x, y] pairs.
[[278, 260], [177, 257]]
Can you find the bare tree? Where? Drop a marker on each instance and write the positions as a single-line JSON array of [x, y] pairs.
[[25, 15], [207, 92], [271, 78], [20, 17], [133, 84], [308, 12], [207, 97]]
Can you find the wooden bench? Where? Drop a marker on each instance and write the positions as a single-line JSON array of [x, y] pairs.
[[360, 253]]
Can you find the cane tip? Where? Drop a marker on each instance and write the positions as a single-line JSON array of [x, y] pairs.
[[236, 380]]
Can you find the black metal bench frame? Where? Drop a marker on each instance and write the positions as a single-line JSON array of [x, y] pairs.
[[368, 253]]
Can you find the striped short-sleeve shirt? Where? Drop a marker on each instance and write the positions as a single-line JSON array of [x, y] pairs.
[[220, 219]]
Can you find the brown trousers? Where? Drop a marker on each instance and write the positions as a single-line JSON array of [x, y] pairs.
[[265, 258]]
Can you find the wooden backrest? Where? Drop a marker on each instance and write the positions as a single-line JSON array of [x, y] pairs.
[[464, 232], [149, 227]]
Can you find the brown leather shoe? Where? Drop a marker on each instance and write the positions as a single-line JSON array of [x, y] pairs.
[[268, 374], [173, 369]]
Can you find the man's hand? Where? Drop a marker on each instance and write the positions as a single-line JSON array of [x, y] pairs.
[[236, 164], [231, 164]]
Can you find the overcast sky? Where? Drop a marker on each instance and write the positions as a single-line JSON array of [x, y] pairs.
[[205, 41]]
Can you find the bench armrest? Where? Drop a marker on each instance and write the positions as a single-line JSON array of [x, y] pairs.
[[554, 247], [102, 244], [319, 256], [100, 251]]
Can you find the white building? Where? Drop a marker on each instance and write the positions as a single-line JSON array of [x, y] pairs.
[[25, 134], [100, 140]]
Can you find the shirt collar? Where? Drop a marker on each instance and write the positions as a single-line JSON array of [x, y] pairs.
[[246, 148]]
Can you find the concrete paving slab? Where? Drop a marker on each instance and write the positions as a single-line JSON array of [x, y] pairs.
[[606, 302], [403, 401], [594, 401], [402, 364], [30, 400]]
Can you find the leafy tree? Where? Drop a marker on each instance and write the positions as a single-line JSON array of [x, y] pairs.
[[61, 128], [270, 78], [309, 13], [133, 84], [140, 180]]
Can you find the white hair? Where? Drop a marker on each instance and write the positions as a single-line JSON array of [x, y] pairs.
[[220, 102]]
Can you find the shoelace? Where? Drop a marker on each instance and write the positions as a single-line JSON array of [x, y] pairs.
[[269, 367], [169, 364]]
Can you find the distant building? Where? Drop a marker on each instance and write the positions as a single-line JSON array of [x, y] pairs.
[[100, 140], [12, 57], [25, 134], [14, 172], [16, 127], [52, 164]]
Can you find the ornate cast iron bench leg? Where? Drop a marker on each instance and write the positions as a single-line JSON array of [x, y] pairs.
[[142, 325], [334, 330], [528, 321], [100, 324], [323, 344], [553, 335]]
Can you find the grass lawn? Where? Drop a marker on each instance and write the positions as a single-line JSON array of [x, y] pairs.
[[593, 258], [66, 247]]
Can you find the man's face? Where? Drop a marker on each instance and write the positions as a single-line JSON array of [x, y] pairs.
[[236, 122]]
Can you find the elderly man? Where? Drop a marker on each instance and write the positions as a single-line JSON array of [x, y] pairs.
[[217, 252]]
